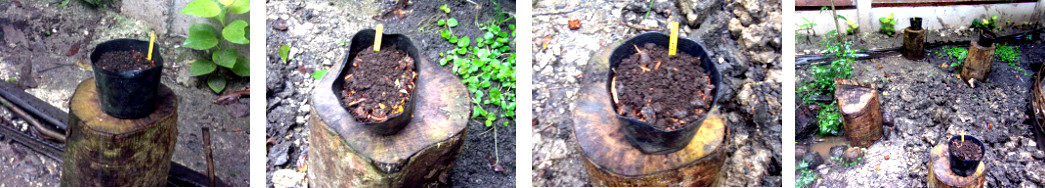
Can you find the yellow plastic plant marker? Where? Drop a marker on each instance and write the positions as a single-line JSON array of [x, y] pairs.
[[152, 40], [377, 37], [674, 42], [963, 135]]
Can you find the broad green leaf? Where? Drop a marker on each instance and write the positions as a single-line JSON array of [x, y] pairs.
[[495, 94], [463, 43], [319, 74], [201, 37], [446, 34], [284, 52], [202, 67], [452, 22], [236, 32], [225, 58], [242, 67], [202, 8], [441, 22], [478, 111], [240, 7], [488, 35], [461, 51], [490, 118], [216, 83], [485, 84], [453, 39]]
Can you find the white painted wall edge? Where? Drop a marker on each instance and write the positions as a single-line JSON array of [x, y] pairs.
[[955, 16]]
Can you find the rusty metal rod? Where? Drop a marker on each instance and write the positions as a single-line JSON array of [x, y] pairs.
[[36, 124], [210, 156]]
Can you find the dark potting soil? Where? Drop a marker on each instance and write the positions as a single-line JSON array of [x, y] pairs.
[[967, 150], [378, 84], [665, 91], [119, 61]]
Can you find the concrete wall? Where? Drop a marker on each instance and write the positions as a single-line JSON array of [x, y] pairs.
[[936, 17]]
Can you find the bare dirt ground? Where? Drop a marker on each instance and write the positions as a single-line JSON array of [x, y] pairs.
[[742, 37], [929, 104], [38, 35]]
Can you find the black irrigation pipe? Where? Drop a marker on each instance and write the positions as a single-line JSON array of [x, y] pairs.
[[819, 59], [15, 95]]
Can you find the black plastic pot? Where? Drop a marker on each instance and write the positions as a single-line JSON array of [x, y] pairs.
[[916, 23], [986, 38], [362, 41], [642, 135], [127, 94], [965, 167]]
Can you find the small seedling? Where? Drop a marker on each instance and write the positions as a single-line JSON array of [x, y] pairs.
[[284, 52]]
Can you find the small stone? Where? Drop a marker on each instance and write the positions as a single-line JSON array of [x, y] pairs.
[[853, 154], [1038, 154], [838, 151]]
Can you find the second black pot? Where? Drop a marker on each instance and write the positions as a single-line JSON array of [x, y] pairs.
[[362, 41], [965, 167], [641, 134], [986, 38], [916, 23], [127, 94]]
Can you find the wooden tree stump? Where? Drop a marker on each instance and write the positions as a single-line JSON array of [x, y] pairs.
[[107, 151], [343, 153], [861, 114], [611, 161], [914, 44], [978, 62], [940, 174]]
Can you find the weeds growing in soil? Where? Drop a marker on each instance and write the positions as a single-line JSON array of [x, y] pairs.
[[823, 84], [805, 176], [203, 36], [1010, 55], [954, 53], [487, 66], [491, 59]]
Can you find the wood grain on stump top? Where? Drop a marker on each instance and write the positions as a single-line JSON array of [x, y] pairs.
[[85, 103], [940, 174], [442, 109], [603, 143]]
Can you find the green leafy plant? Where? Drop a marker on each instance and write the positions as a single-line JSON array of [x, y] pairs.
[[807, 25], [852, 26], [888, 25], [823, 83], [486, 66], [204, 36], [985, 23], [954, 53], [804, 177], [830, 120]]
